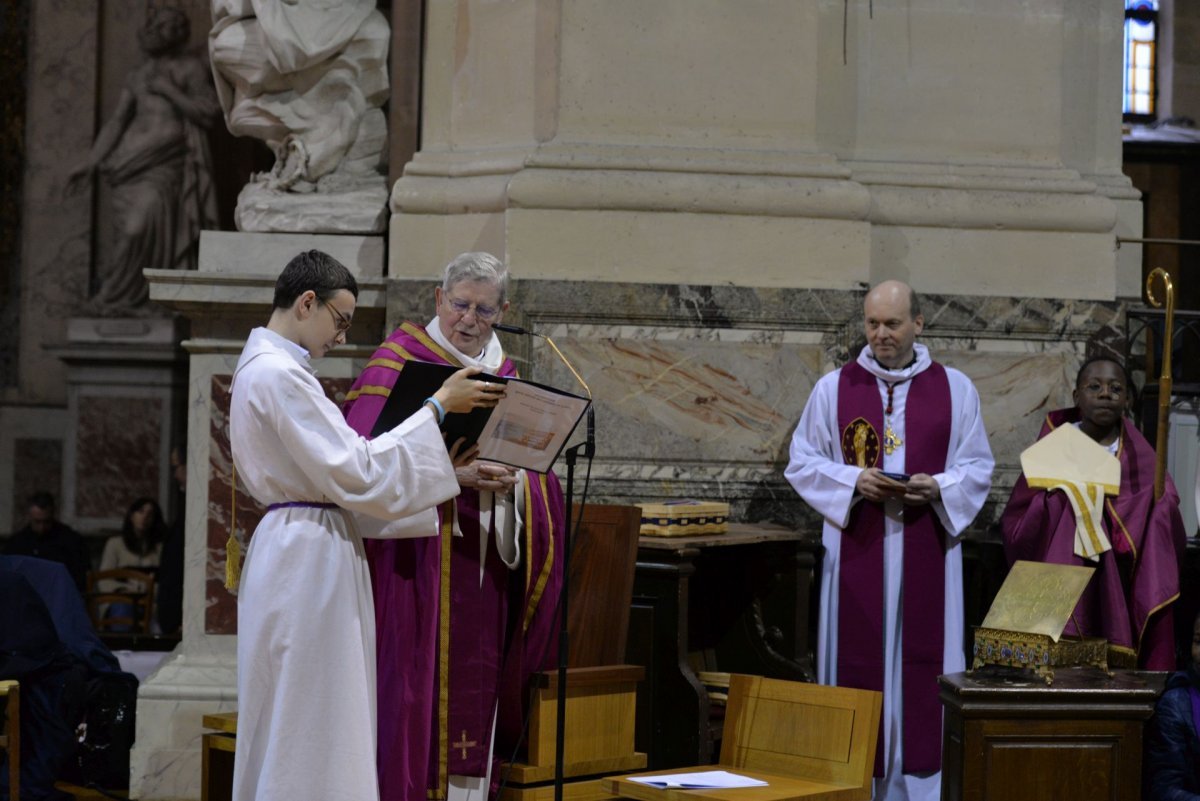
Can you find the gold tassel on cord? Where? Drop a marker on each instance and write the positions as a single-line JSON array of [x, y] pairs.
[[233, 548]]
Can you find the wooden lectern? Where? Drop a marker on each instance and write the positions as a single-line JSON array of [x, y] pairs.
[[601, 691], [1010, 735]]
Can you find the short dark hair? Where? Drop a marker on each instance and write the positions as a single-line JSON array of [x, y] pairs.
[[42, 500], [1102, 358], [314, 270]]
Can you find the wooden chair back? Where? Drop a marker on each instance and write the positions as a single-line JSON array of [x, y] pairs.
[[10, 734], [825, 734], [603, 560], [139, 595], [806, 741]]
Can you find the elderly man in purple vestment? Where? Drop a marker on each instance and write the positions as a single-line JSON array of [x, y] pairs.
[[464, 618], [891, 450], [1130, 598]]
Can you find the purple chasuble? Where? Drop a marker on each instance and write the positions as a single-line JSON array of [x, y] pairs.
[[1130, 598], [454, 644], [860, 660]]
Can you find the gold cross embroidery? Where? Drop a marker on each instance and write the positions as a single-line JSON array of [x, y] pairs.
[[464, 744]]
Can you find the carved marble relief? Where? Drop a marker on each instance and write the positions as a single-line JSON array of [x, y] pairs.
[[153, 154]]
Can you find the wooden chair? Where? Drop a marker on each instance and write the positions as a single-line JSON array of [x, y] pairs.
[[807, 741], [140, 597], [10, 735]]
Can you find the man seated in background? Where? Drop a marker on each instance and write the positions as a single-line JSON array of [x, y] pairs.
[[46, 537]]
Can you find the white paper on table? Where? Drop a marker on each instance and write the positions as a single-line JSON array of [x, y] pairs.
[[704, 780]]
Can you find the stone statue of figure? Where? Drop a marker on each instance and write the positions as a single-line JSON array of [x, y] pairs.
[[308, 77], [153, 152]]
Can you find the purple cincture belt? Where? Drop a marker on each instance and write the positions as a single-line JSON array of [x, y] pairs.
[[301, 505]]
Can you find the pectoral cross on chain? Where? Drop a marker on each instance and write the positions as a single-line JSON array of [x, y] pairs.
[[464, 744], [890, 440]]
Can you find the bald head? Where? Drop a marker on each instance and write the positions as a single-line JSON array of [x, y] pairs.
[[891, 321]]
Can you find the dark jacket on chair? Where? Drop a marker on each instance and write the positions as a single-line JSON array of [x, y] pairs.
[[1173, 747], [47, 644]]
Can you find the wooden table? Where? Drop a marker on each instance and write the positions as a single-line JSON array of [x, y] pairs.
[[1008, 735], [741, 599]]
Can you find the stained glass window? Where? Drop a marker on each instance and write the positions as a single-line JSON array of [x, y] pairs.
[[1141, 51]]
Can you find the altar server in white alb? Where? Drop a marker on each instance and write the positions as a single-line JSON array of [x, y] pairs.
[[306, 623], [891, 450]]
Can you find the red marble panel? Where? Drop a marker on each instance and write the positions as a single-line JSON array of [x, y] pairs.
[[220, 614], [117, 456]]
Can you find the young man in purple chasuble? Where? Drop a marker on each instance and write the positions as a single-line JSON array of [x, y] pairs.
[[891, 450], [1130, 598], [466, 617]]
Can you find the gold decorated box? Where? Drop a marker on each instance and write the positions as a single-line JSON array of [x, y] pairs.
[[1037, 651], [684, 518], [1024, 627]]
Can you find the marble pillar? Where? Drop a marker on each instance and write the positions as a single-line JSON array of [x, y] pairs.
[[693, 195], [230, 293], [971, 149]]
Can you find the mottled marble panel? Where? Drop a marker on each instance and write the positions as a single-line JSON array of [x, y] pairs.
[[690, 400], [698, 388], [117, 453], [1015, 393], [220, 607], [40, 466]]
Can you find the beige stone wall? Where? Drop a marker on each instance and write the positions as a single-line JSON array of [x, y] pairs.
[[966, 147]]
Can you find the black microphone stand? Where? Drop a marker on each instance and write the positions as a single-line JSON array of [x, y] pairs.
[[586, 449]]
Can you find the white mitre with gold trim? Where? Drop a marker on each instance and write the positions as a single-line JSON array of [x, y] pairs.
[[1069, 460]]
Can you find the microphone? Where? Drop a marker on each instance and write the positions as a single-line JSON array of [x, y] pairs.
[[512, 329], [516, 329]]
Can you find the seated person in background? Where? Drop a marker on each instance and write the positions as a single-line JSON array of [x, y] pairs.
[[1172, 744], [67, 674], [138, 546], [1130, 598], [52, 687], [48, 538]]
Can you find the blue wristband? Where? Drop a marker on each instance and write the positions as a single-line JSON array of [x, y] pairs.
[[438, 409]]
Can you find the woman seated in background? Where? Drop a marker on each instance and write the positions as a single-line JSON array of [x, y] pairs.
[[1130, 598], [138, 546]]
